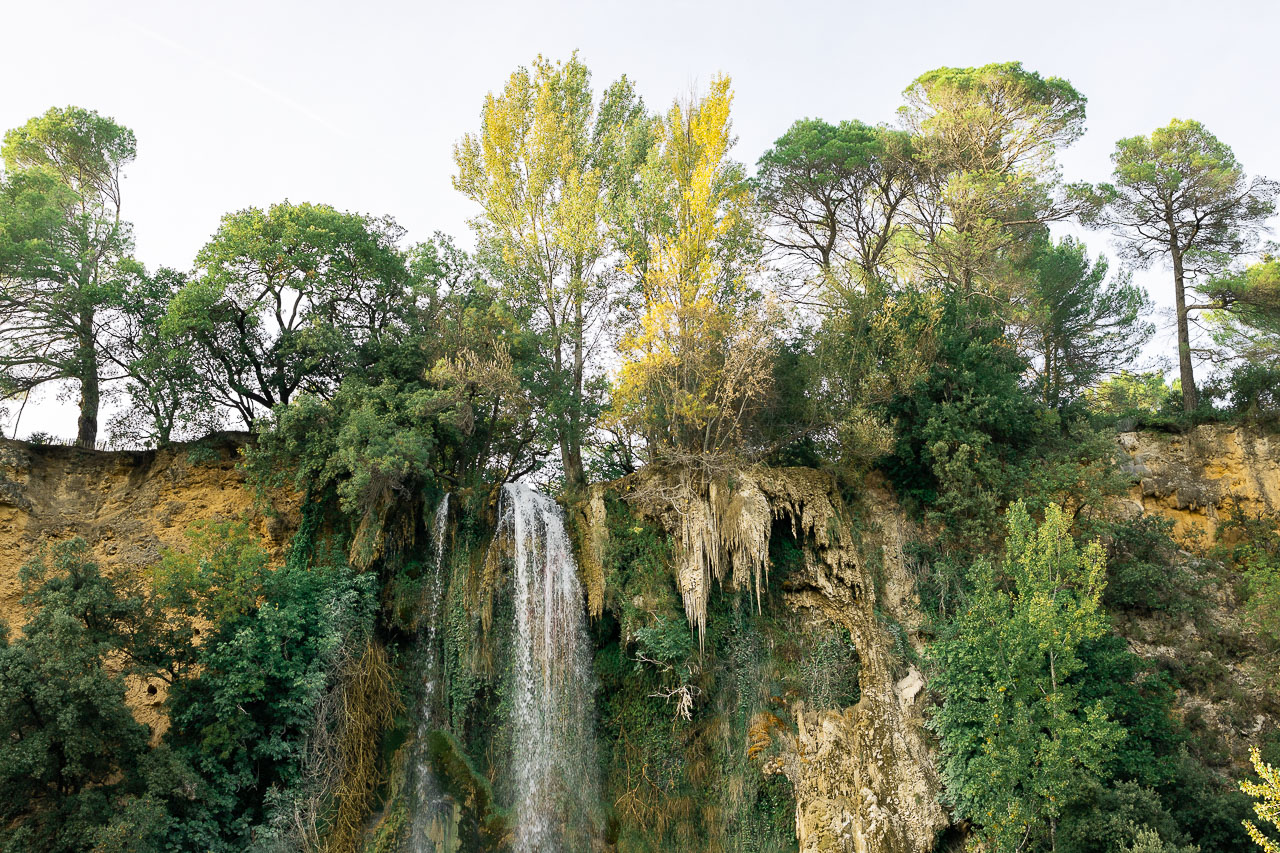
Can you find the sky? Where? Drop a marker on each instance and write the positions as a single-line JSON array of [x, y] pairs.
[[358, 105]]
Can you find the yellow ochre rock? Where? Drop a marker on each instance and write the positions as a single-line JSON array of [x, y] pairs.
[[1198, 478], [129, 506]]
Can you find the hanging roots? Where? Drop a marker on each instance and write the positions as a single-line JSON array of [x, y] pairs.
[[366, 703]]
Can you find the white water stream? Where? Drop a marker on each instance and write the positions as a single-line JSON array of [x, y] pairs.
[[553, 773], [433, 822], [554, 763]]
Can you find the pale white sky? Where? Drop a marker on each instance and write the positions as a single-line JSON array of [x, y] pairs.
[[358, 104]]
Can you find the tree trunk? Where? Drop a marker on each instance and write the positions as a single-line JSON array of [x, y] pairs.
[[1190, 399], [571, 442], [87, 425]]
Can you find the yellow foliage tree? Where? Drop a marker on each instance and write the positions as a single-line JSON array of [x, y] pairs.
[[697, 360], [541, 168], [1267, 808]]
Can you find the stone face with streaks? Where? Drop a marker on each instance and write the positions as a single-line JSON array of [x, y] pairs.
[[1199, 477], [864, 776]]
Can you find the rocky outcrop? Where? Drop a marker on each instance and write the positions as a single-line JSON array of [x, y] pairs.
[[1199, 477], [864, 776], [129, 506]]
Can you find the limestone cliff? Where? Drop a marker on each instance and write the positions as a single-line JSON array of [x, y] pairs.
[[863, 776], [129, 506], [1197, 477], [1226, 672]]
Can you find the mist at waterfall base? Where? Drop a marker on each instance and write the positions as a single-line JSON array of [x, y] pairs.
[[551, 772]]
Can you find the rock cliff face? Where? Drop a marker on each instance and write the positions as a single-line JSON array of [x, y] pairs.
[[1198, 477], [864, 776], [1197, 480], [129, 506]]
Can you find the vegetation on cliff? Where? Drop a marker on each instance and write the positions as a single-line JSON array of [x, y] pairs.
[[826, 434]]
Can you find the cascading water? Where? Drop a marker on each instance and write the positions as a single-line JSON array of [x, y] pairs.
[[554, 762], [433, 823]]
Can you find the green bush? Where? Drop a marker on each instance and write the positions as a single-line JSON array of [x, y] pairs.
[[73, 754], [242, 716], [1254, 553], [1143, 570]]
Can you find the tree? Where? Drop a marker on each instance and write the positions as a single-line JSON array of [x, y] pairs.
[[1267, 793], [985, 141], [965, 424], [1081, 327], [836, 193], [1016, 738], [61, 240], [1247, 329], [696, 363], [1181, 194], [269, 639], [1129, 393], [446, 405], [287, 299], [72, 747], [542, 168], [168, 397]]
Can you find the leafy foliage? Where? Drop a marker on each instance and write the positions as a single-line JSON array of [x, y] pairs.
[[1181, 191], [1081, 327], [286, 297], [262, 664], [61, 243], [544, 169], [1255, 553], [169, 398], [1017, 735], [837, 194], [695, 366], [1267, 792], [73, 751]]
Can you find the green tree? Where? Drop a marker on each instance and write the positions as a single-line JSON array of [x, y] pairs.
[[1247, 328], [287, 299], [72, 748], [1181, 194], [444, 404], [1129, 393], [986, 140], [544, 170], [1017, 740], [836, 194], [168, 396], [1080, 326], [966, 426], [241, 715], [61, 241]]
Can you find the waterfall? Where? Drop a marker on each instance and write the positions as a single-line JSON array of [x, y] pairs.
[[432, 828], [554, 765]]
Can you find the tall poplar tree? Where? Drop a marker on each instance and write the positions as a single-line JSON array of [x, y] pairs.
[[542, 167], [61, 243], [695, 364]]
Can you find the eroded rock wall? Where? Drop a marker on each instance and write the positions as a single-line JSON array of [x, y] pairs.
[[864, 776], [129, 506], [1197, 478]]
